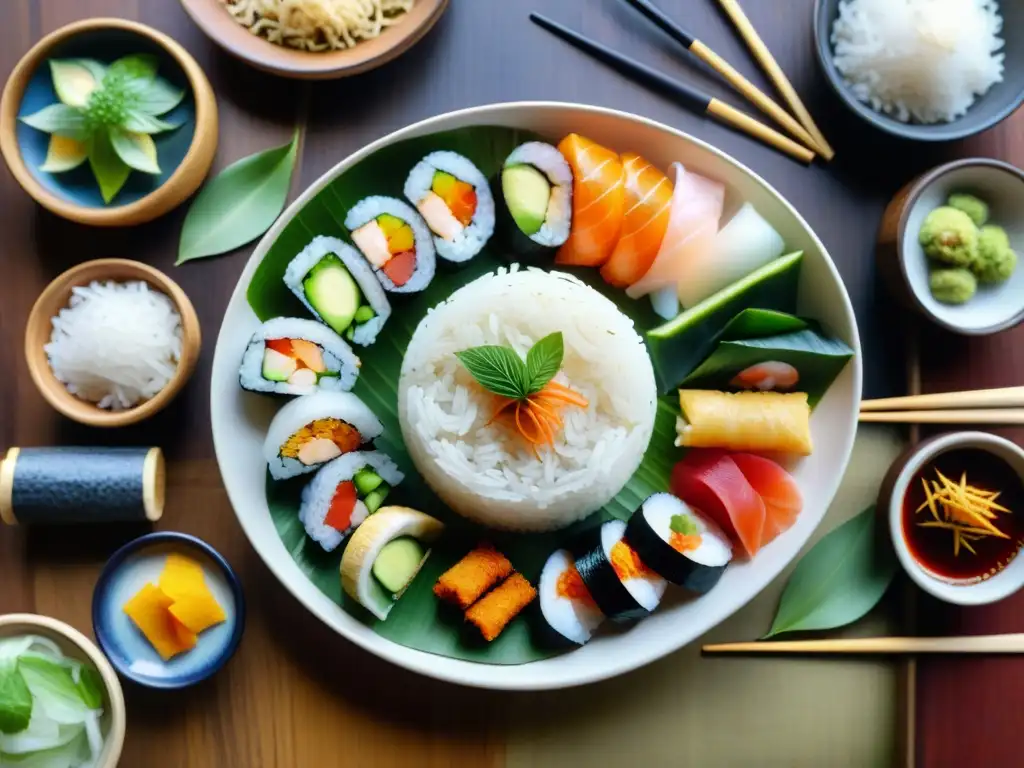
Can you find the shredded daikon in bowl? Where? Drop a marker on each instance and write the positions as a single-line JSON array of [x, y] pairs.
[[116, 344]]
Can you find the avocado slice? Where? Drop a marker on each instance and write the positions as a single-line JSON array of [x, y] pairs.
[[277, 367], [366, 480], [364, 315], [398, 562], [527, 192], [332, 292], [376, 497]]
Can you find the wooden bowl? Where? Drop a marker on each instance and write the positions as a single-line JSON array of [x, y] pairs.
[[56, 297], [76, 645], [221, 27], [904, 266], [185, 153]]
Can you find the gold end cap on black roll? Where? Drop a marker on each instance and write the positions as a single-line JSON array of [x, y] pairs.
[[154, 484], [7, 486]]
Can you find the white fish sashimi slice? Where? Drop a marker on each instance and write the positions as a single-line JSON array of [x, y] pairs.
[[693, 222], [747, 242]]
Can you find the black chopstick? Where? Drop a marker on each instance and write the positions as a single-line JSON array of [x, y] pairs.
[[686, 95]]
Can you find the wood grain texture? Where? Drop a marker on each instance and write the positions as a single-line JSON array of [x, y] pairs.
[[296, 694]]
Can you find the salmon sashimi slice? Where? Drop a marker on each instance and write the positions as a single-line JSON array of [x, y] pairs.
[[783, 501], [692, 228], [598, 201], [648, 208], [711, 482]]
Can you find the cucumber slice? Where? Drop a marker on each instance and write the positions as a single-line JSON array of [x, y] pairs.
[[366, 480], [376, 497], [679, 346], [398, 562], [332, 292], [363, 315]]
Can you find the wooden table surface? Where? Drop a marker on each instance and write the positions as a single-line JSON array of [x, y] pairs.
[[296, 694]]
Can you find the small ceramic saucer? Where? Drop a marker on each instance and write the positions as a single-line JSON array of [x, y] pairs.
[[141, 561]]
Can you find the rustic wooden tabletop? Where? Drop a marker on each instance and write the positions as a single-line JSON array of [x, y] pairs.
[[295, 694]]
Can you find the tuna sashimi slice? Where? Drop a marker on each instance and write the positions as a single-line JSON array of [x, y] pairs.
[[692, 229], [777, 488], [710, 481]]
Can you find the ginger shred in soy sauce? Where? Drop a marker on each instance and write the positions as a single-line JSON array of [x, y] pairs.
[[963, 515]]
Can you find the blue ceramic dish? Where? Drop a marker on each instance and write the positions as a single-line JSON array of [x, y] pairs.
[[79, 186], [141, 561]]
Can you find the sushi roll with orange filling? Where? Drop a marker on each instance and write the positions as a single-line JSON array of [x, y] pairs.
[[396, 242], [565, 602], [455, 200], [292, 356]]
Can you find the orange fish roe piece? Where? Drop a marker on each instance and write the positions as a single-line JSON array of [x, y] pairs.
[[570, 584], [684, 542], [492, 613], [474, 574], [627, 563]]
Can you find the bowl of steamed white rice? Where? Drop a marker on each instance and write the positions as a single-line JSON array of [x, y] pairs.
[[926, 70]]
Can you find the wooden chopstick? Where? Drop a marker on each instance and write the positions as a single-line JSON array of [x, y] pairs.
[[893, 646], [746, 88], [1006, 397], [990, 416], [689, 97], [771, 67]]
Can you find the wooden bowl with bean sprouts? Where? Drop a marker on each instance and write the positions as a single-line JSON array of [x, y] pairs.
[[315, 39]]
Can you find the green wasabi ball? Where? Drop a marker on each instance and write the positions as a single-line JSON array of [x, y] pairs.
[[973, 206], [953, 286], [996, 259], [948, 235]]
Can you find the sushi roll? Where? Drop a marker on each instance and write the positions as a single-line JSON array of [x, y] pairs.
[[313, 429], [621, 584], [291, 356], [454, 199], [565, 603], [396, 242], [536, 183], [338, 286], [343, 493], [679, 543]]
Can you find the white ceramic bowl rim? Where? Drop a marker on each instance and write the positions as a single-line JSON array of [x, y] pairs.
[[555, 672], [1004, 583]]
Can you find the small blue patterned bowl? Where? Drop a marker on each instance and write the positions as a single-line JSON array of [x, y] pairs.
[[141, 561], [185, 153]]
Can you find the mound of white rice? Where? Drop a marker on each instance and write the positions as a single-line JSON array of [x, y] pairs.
[[923, 60], [486, 472]]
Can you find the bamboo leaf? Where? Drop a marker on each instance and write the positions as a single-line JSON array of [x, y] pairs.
[[137, 150], [64, 154], [74, 81], [110, 171], [839, 580], [59, 119], [239, 204]]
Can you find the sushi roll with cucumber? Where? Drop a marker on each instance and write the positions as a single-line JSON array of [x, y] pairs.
[[455, 200], [678, 542], [565, 602], [396, 242], [343, 493], [313, 429], [338, 286], [622, 585], [291, 356], [536, 182]]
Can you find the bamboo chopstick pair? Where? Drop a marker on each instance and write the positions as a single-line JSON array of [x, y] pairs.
[[803, 128], [1003, 406], [886, 646]]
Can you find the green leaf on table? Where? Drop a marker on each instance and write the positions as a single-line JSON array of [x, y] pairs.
[[74, 80], [138, 66], [64, 154], [136, 150], [497, 369], [138, 121], [842, 578], [239, 204], [59, 119], [157, 97], [110, 170], [544, 360], [15, 697]]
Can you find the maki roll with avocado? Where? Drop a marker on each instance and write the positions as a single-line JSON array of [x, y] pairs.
[[396, 242], [679, 543], [454, 199], [338, 286], [565, 602], [622, 585], [291, 356], [536, 182], [343, 493], [313, 429]]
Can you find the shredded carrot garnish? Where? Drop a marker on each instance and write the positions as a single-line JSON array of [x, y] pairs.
[[536, 418]]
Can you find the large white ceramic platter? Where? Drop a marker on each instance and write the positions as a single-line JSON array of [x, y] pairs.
[[240, 419]]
